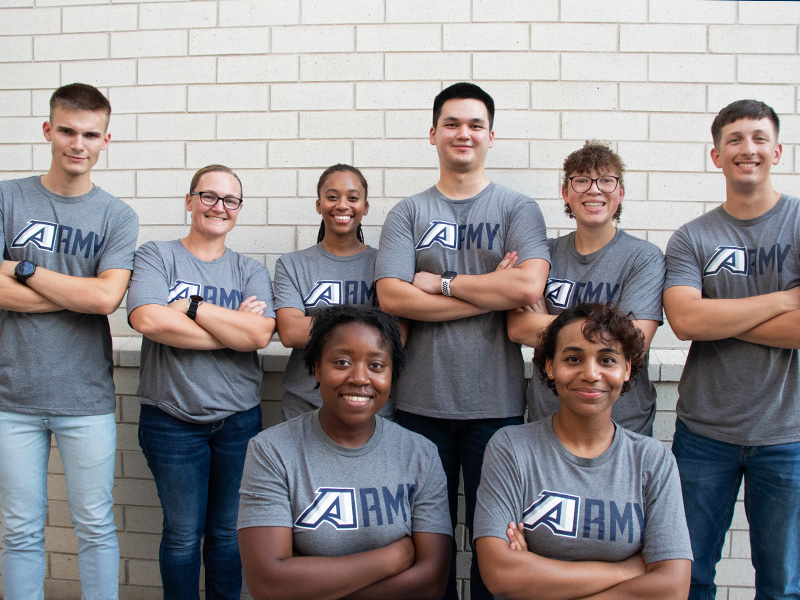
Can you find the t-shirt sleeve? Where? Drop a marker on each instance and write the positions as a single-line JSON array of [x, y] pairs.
[[683, 267], [527, 234], [666, 535], [120, 242], [287, 289], [430, 512], [259, 284], [264, 494], [396, 257], [644, 284], [149, 281], [500, 491]]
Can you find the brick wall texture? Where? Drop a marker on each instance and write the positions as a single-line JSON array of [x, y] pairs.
[[280, 89]]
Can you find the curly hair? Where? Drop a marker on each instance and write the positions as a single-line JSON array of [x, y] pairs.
[[604, 324], [326, 321], [594, 156], [342, 168]]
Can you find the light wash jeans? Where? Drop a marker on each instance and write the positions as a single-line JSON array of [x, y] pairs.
[[87, 446]]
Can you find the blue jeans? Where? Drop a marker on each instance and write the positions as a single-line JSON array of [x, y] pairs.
[[198, 469], [711, 473], [87, 446], [461, 446]]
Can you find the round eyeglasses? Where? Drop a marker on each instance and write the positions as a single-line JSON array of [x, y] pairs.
[[211, 199], [605, 183]]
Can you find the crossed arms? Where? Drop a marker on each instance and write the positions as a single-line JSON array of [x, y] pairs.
[[509, 286], [769, 319], [50, 291], [409, 568]]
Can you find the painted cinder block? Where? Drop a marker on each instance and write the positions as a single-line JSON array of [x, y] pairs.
[[114, 17], [399, 38], [342, 11]]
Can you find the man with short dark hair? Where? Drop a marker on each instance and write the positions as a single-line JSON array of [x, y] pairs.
[[446, 263], [732, 288], [68, 254]]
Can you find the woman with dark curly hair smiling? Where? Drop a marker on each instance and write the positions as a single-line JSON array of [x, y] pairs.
[[574, 506], [339, 502]]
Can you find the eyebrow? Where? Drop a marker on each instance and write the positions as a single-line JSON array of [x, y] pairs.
[[581, 350], [471, 120]]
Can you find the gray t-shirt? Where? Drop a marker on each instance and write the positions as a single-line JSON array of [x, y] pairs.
[[467, 368], [730, 390], [311, 280], [608, 508], [339, 500], [199, 386], [627, 272], [60, 363]]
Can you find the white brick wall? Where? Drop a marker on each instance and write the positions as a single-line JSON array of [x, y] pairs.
[[280, 89]]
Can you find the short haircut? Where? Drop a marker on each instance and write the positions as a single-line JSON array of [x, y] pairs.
[[342, 168], [80, 96], [462, 90], [326, 321], [604, 324], [743, 109], [214, 169], [593, 156]]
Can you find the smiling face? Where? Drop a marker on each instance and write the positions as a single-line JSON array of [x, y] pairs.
[[342, 203], [747, 150], [462, 136], [354, 373], [214, 221], [76, 139], [593, 208], [588, 375]]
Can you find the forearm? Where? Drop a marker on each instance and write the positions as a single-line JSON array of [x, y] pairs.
[[695, 318], [667, 580], [17, 297], [426, 579], [524, 327], [527, 576], [92, 295], [782, 331], [321, 578], [505, 289], [235, 329], [402, 299], [165, 325], [294, 327]]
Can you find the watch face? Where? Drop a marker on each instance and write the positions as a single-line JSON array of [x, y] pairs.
[[448, 274], [196, 298], [26, 268]]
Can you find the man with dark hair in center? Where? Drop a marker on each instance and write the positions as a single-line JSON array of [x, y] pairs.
[[451, 261]]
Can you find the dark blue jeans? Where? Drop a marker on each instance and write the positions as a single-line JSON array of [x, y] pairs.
[[461, 447], [711, 473], [198, 469]]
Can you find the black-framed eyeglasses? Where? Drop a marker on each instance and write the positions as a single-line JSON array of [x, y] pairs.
[[211, 199], [605, 183]]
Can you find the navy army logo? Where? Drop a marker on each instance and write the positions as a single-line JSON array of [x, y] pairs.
[[39, 233], [328, 292], [183, 289], [558, 512], [727, 258], [558, 292], [336, 506], [439, 232]]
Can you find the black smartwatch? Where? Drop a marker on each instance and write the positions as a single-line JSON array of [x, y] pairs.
[[24, 270], [447, 277], [194, 302]]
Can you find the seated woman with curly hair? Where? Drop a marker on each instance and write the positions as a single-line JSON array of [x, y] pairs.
[[574, 506]]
